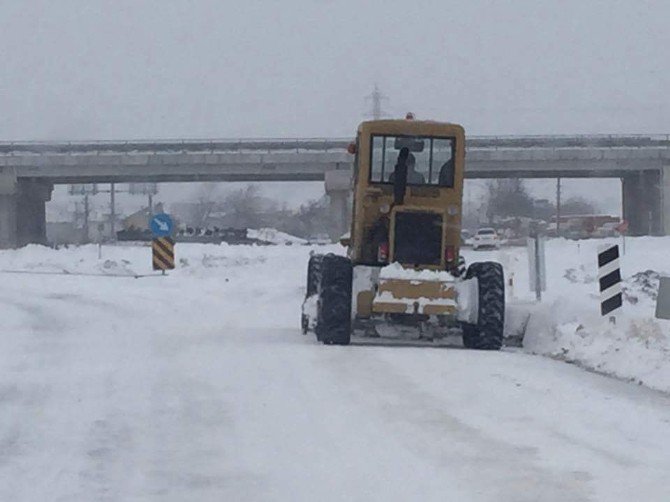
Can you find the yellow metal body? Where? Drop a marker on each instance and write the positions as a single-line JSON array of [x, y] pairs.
[[373, 202], [403, 296], [370, 199]]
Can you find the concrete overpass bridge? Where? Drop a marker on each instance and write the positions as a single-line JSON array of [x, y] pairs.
[[29, 170]]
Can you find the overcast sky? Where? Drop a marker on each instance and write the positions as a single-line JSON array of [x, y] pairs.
[[126, 69], [82, 69]]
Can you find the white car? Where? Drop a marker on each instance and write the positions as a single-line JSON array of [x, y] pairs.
[[466, 238], [485, 238]]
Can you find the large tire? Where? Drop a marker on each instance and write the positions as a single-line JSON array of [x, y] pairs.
[[333, 321], [313, 274], [313, 280], [487, 334]]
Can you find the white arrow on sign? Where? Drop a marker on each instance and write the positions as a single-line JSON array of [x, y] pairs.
[[162, 225]]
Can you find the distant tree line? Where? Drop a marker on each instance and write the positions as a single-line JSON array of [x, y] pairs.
[[510, 198], [248, 208]]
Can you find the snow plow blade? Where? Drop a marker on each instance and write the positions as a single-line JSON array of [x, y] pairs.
[[448, 342], [411, 296]]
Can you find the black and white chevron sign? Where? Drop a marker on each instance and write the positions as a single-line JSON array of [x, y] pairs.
[[609, 277]]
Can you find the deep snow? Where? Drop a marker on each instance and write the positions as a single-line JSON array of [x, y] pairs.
[[198, 385], [567, 325]]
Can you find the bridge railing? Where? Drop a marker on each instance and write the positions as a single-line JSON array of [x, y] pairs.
[[176, 146], [255, 145], [570, 141]]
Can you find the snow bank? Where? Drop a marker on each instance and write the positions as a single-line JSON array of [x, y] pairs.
[[222, 283], [567, 324], [274, 236], [88, 259], [636, 348]]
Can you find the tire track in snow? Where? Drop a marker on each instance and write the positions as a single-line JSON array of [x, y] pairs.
[[64, 331], [491, 467]]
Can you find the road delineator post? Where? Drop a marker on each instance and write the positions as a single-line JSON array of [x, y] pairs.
[[162, 246], [162, 250]]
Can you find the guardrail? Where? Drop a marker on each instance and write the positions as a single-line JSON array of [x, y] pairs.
[[213, 146], [316, 144]]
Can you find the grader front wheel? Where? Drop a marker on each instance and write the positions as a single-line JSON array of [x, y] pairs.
[[333, 321], [308, 316], [487, 333]]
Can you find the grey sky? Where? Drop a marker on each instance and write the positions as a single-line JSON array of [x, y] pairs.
[[205, 68]]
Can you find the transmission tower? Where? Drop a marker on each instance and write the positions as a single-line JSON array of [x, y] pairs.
[[376, 99]]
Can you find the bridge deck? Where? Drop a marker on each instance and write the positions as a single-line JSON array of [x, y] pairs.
[[310, 159]]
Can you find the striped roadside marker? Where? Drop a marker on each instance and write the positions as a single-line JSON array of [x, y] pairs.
[[609, 277], [162, 253]]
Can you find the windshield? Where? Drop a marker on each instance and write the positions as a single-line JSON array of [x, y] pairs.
[[431, 160], [486, 231]]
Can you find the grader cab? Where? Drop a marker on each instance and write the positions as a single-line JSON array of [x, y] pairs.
[[403, 276]]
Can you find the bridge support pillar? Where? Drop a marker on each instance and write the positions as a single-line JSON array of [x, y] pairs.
[[8, 209], [31, 225], [22, 211], [338, 189], [339, 214], [643, 202], [8, 221], [665, 199]]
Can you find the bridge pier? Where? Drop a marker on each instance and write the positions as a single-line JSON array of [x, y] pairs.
[[23, 211], [338, 189], [8, 209], [339, 214], [644, 196], [31, 225]]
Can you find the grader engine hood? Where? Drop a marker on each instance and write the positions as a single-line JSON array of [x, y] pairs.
[[406, 291]]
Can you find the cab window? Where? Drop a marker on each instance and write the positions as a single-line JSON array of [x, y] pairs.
[[431, 159]]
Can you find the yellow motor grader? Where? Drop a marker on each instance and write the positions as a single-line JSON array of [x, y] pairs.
[[403, 277]]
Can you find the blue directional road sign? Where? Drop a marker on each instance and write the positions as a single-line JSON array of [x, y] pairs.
[[161, 225]]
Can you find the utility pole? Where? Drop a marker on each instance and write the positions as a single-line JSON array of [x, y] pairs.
[[85, 190], [558, 207], [112, 211], [86, 211], [376, 100], [148, 189], [92, 189]]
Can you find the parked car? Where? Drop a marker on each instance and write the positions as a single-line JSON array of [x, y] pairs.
[[466, 238], [486, 238]]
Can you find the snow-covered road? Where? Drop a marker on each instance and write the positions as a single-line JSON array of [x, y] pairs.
[[199, 386]]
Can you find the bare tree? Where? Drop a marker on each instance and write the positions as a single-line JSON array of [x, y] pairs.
[[577, 205], [508, 197], [247, 208]]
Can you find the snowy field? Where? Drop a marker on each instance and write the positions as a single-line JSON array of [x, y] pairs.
[[199, 386]]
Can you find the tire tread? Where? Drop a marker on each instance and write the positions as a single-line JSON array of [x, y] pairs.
[[487, 334], [333, 325]]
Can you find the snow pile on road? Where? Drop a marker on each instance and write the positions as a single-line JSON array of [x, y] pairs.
[[89, 259], [636, 348], [274, 236], [245, 285], [397, 271], [568, 324]]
